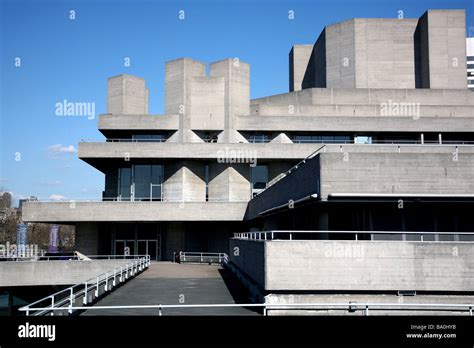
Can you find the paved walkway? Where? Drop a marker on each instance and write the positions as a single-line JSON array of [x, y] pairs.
[[171, 283]]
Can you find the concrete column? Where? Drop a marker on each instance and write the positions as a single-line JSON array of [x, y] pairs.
[[185, 181], [298, 62], [127, 95], [87, 238], [236, 75], [440, 45], [179, 75], [229, 182]]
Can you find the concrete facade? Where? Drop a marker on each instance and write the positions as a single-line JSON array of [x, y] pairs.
[[442, 50], [346, 266], [389, 53], [127, 95], [298, 61], [133, 211], [198, 166], [37, 273]]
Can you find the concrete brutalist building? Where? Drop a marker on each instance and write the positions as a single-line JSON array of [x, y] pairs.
[[381, 113]]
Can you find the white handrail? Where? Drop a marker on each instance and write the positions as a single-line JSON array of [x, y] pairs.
[[274, 234], [349, 306], [202, 257], [89, 285]]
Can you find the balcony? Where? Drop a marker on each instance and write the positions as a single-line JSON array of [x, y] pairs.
[[304, 261], [88, 211]]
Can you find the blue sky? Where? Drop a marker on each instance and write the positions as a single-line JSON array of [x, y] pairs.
[[71, 59]]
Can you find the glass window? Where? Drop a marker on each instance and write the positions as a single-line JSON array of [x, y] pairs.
[[148, 137], [157, 178], [259, 177], [142, 182], [342, 139], [302, 139], [363, 139], [206, 176], [258, 138], [148, 180], [125, 181], [318, 139]]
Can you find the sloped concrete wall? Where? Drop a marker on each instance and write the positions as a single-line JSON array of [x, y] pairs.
[[34, 273]]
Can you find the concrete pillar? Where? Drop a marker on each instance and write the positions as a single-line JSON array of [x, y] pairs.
[[127, 95], [298, 62], [229, 182], [185, 181], [440, 50], [236, 76], [179, 75], [87, 238]]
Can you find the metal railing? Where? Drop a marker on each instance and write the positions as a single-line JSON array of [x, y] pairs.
[[88, 291], [364, 307], [116, 199], [299, 235], [73, 257], [200, 257], [129, 140], [385, 142], [294, 141]]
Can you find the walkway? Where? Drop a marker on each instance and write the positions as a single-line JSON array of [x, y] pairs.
[[171, 283]]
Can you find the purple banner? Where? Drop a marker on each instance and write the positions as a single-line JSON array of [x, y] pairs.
[[53, 239]]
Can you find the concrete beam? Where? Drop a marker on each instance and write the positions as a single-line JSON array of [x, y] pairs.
[[132, 211], [96, 152], [109, 122]]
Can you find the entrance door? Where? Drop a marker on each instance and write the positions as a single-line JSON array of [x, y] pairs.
[[148, 247], [153, 249], [142, 247]]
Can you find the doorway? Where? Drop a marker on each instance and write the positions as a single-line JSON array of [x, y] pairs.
[[137, 239], [148, 247]]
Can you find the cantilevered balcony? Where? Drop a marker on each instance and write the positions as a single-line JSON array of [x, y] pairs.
[[88, 211]]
